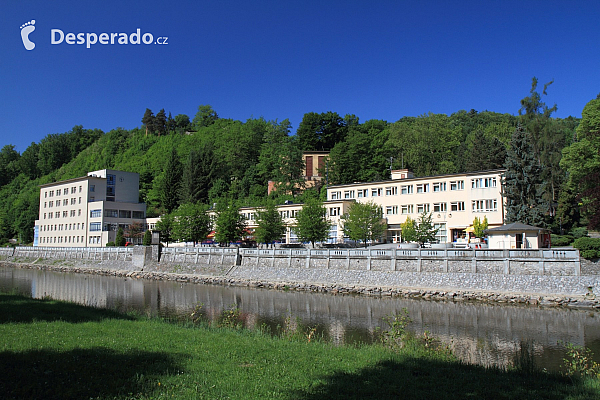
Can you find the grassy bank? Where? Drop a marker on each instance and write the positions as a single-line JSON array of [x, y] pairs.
[[56, 350]]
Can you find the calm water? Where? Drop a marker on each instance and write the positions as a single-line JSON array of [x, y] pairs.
[[478, 333]]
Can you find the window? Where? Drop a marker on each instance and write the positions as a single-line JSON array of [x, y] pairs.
[[73, 201], [49, 215], [457, 206], [478, 183], [111, 213], [44, 215], [80, 189], [80, 200], [58, 192], [457, 185], [334, 211], [124, 214], [423, 208], [51, 193], [95, 213], [363, 192], [391, 210], [348, 194], [92, 188], [65, 214], [57, 214], [391, 191], [139, 214], [336, 195], [65, 202], [376, 192], [485, 205], [73, 189], [92, 198], [441, 235], [79, 213], [423, 188], [408, 209], [50, 204], [440, 207], [95, 226], [406, 189], [72, 213], [439, 187], [332, 234], [46, 194]]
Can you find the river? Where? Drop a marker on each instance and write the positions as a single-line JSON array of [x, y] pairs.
[[480, 333]]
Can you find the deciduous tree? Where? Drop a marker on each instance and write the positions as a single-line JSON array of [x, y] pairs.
[[311, 222], [229, 225], [364, 221], [270, 224], [191, 223]]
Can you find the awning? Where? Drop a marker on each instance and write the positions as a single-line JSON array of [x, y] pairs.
[[470, 229]]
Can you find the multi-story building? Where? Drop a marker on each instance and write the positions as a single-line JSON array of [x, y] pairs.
[[454, 200], [88, 211]]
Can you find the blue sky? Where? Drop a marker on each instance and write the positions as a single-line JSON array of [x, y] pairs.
[[280, 59]]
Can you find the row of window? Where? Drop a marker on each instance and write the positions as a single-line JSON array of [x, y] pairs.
[[61, 239], [60, 192], [416, 188], [60, 227], [65, 214], [65, 202], [117, 214]]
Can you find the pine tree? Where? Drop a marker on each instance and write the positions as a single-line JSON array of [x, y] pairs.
[[148, 121], [160, 122], [171, 182], [523, 185]]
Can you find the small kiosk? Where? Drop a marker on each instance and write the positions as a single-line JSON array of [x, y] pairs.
[[517, 236]]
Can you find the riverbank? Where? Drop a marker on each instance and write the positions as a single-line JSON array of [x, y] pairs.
[[58, 350], [585, 302]]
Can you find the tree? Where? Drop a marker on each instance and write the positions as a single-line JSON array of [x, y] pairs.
[[191, 223], [486, 153], [148, 121], [169, 191], [425, 231], [479, 227], [165, 226], [523, 185], [582, 161], [229, 225], [120, 239], [409, 230], [311, 223], [364, 221], [147, 240], [160, 122], [321, 131], [270, 224], [134, 230], [198, 174], [205, 116]]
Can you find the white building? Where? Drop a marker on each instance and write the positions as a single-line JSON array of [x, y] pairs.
[[88, 211]]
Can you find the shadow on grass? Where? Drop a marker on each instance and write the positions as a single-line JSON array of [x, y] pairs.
[[21, 309], [82, 373], [422, 379]]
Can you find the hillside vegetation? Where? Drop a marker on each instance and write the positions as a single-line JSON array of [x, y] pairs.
[[210, 159]]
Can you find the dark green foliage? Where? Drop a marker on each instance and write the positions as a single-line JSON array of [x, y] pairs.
[[311, 223], [561, 240], [166, 226], [148, 121], [229, 225], [198, 174], [160, 122], [364, 222], [425, 231], [120, 239], [147, 240], [205, 116], [588, 247], [169, 188], [523, 185], [270, 224], [486, 153], [321, 132]]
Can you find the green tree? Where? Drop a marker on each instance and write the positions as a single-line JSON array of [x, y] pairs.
[[148, 121], [198, 174], [191, 223], [169, 190], [409, 230], [165, 226], [364, 221], [229, 225], [479, 226], [147, 240], [205, 116], [311, 223], [120, 239], [270, 224], [321, 131], [160, 122], [425, 229], [582, 161], [523, 185]]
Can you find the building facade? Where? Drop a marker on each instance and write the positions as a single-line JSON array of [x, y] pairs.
[[88, 211]]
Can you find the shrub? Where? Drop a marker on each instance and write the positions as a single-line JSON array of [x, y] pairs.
[[579, 232], [588, 247], [110, 244], [561, 240]]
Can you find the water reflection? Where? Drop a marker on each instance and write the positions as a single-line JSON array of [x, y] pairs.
[[478, 333]]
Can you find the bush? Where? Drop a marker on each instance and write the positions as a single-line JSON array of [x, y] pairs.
[[579, 232], [589, 247], [562, 240], [110, 244]]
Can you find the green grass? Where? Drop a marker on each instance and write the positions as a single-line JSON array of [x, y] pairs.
[[56, 350]]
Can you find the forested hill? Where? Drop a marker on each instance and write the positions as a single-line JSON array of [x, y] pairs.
[[210, 159]]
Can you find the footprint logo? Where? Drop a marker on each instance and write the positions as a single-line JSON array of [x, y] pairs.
[[26, 29]]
